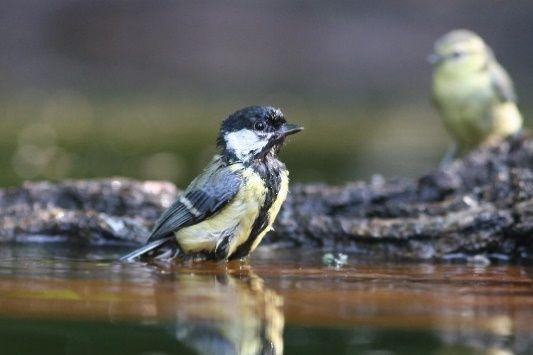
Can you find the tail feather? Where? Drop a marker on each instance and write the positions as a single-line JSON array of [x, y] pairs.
[[145, 249]]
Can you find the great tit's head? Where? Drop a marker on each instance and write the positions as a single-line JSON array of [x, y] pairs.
[[253, 133], [460, 51]]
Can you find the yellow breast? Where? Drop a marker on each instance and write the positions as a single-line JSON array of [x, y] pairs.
[[465, 102], [274, 210], [238, 216], [254, 197], [463, 95]]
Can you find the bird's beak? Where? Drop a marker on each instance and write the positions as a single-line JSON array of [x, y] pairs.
[[288, 128], [435, 59]]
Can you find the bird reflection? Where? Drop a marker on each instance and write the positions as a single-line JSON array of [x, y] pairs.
[[204, 307], [223, 310]]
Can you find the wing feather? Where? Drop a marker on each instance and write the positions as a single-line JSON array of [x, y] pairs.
[[502, 83], [204, 197]]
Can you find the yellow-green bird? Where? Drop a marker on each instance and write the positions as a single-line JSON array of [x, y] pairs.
[[472, 91]]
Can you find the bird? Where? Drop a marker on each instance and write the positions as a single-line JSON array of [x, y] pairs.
[[472, 92], [226, 210]]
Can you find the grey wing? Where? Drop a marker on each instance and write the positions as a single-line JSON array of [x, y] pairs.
[[502, 83], [204, 197]]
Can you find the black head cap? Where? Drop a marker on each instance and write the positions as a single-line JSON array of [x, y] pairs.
[[254, 132], [249, 117]]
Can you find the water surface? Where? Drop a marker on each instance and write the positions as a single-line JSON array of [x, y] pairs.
[[56, 299]]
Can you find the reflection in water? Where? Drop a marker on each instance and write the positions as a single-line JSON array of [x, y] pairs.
[[215, 309], [229, 314], [236, 308]]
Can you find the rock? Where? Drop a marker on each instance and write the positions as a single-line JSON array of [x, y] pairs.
[[481, 205], [97, 211]]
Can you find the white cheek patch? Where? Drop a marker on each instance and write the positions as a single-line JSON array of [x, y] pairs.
[[244, 142]]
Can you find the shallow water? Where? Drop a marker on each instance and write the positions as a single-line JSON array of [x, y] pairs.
[[58, 300]]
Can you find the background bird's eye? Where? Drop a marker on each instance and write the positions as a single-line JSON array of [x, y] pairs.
[[259, 126], [456, 54]]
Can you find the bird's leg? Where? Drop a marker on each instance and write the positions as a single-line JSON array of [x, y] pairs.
[[169, 252], [224, 243], [450, 155]]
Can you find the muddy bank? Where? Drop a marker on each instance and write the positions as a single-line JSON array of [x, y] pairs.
[[482, 204]]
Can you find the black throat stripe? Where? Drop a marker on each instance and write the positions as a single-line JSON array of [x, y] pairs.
[[270, 172]]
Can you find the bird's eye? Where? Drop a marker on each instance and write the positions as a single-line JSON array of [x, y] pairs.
[[259, 126], [456, 55]]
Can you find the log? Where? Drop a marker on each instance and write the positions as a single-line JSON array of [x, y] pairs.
[[479, 205]]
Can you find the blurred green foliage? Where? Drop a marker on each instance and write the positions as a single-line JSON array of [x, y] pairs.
[[68, 135]]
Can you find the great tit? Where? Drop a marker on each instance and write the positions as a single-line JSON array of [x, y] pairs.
[[472, 91], [226, 211]]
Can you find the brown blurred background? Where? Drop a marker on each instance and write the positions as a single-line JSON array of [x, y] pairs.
[[138, 88]]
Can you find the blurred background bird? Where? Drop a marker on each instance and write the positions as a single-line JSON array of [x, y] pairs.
[[472, 92]]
